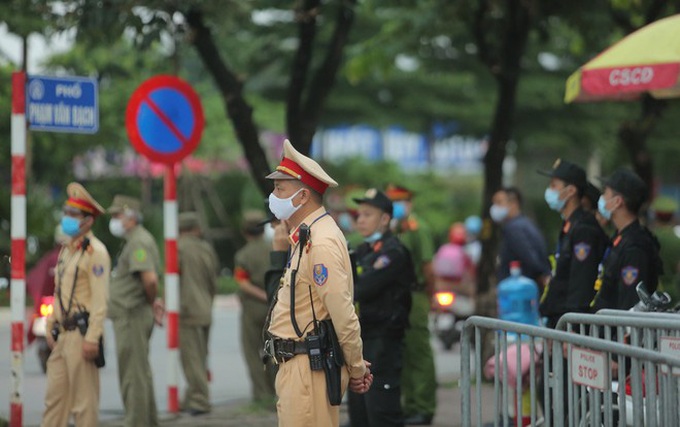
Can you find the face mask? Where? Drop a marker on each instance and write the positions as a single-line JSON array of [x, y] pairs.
[[70, 226], [345, 221], [283, 208], [399, 210], [116, 227], [606, 213], [498, 213], [552, 198], [373, 237]]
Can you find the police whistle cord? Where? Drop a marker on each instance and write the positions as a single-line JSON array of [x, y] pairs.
[[84, 245], [303, 237]]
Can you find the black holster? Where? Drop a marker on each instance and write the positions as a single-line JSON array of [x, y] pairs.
[[333, 361], [82, 320]]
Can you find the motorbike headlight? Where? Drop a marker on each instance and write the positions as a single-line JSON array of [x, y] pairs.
[[445, 299]]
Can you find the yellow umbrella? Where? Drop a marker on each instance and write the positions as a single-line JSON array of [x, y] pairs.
[[646, 61]]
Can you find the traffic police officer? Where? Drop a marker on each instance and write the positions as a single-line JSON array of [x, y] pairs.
[[81, 289], [382, 292], [250, 266], [634, 253], [580, 247], [419, 382], [319, 277], [134, 285], [198, 270]]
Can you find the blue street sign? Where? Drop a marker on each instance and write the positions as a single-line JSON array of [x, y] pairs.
[[62, 104]]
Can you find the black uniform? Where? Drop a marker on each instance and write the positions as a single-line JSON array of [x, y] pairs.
[[580, 249], [385, 275], [633, 258]]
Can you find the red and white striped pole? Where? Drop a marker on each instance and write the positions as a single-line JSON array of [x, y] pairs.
[[171, 285], [18, 234]]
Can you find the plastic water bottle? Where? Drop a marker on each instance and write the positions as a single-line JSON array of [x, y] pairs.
[[518, 298]]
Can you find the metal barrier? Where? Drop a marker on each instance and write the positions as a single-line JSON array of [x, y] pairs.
[[656, 333], [646, 315], [589, 372]]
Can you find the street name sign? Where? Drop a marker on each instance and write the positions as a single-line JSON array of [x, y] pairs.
[[62, 104]]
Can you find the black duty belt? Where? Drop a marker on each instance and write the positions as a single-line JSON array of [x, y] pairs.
[[285, 350]]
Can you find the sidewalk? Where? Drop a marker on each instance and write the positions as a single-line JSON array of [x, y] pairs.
[[240, 413]]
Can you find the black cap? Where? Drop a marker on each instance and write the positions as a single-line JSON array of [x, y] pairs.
[[377, 198], [629, 185], [567, 172]]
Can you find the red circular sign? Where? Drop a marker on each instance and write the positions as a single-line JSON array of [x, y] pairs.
[[164, 119]]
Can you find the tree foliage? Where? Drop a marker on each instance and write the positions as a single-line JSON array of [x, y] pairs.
[[495, 67]]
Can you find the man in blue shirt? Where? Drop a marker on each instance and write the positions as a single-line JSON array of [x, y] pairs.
[[521, 240]]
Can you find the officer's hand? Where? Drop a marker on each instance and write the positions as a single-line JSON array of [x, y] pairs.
[[158, 311], [361, 385], [280, 241], [90, 350], [50, 341]]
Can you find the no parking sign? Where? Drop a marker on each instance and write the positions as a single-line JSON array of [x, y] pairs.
[[164, 122], [164, 119]]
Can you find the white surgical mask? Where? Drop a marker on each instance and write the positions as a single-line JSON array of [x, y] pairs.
[[602, 208], [498, 213], [552, 198], [283, 209], [116, 227], [373, 237]]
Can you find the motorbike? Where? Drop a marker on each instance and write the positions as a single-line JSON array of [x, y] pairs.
[[39, 329], [452, 304], [454, 288]]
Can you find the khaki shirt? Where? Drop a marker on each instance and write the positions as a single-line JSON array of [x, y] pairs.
[[83, 273], [140, 253], [198, 268], [326, 268], [250, 262]]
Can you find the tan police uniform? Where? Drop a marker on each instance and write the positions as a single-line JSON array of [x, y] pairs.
[[251, 266], [81, 285], [198, 269], [133, 319], [325, 271]]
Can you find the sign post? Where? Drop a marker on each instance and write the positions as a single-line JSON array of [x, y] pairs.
[[18, 251], [164, 122], [53, 104]]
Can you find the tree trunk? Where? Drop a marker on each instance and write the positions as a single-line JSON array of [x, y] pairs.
[[633, 136], [501, 131], [306, 18], [231, 88], [504, 62], [302, 117]]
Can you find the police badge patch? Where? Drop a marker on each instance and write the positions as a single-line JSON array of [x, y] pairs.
[[98, 270], [382, 262], [581, 251], [629, 274], [320, 274]]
